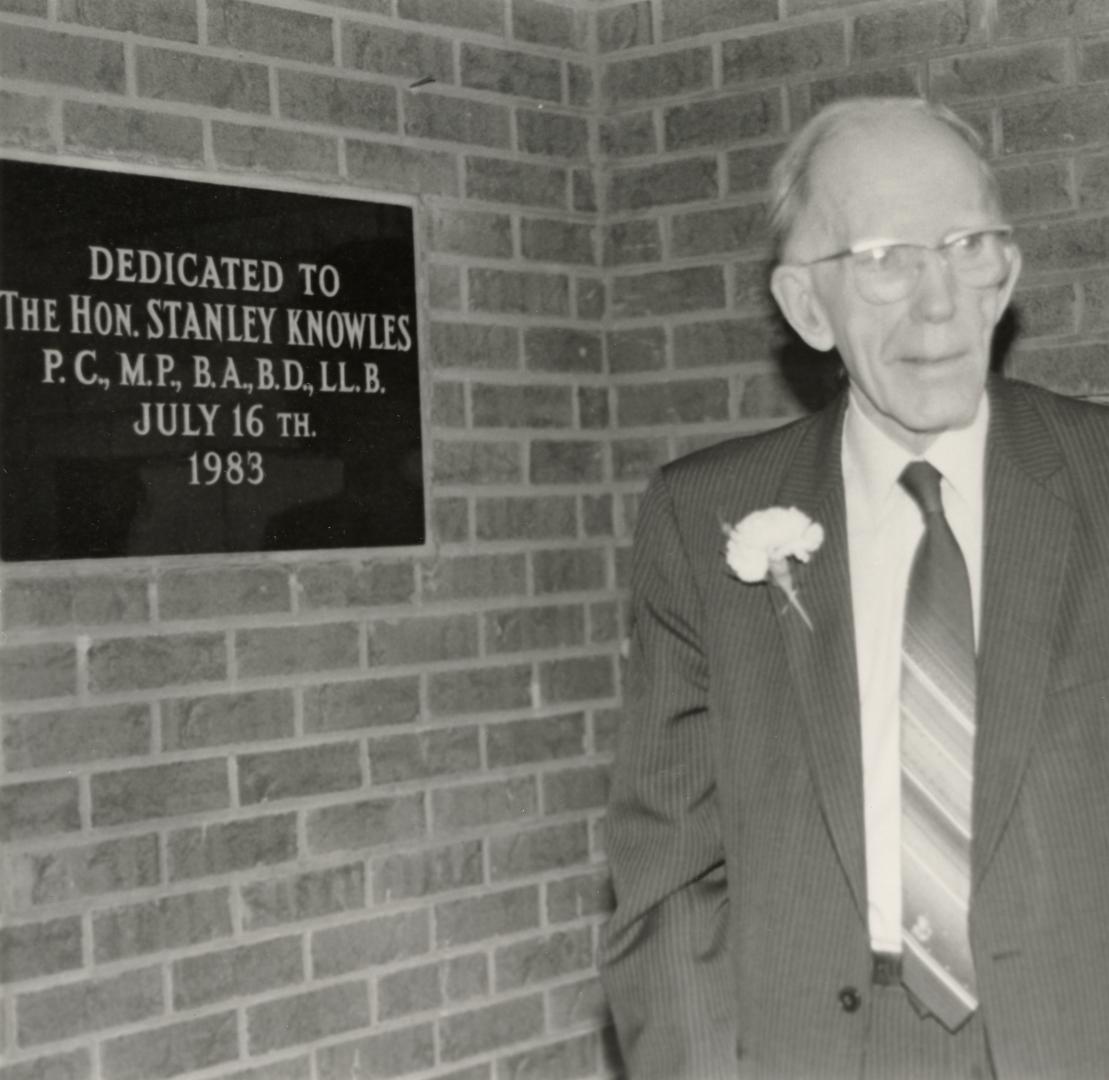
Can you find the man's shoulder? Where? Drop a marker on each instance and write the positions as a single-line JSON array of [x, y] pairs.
[[1070, 420]]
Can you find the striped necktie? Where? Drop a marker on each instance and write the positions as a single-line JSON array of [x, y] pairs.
[[937, 756]]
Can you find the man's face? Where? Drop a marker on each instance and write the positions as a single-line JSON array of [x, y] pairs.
[[918, 365]]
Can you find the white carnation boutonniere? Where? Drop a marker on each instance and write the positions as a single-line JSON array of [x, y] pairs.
[[761, 545]]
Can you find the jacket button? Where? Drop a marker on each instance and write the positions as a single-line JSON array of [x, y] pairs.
[[849, 999]]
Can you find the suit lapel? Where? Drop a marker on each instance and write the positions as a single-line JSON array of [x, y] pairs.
[[1027, 536], [822, 660]]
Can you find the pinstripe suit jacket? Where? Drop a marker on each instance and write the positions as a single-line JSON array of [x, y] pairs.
[[735, 831]]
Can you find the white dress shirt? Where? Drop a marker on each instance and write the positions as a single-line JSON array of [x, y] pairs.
[[884, 526]]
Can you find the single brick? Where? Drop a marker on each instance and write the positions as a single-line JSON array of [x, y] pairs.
[[221, 719], [201, 80], [132, 132], [35, 740], [640, 349], [552, 134], [1074, 370], [274, 150], [710, 232], [578, 897], [422, 639], [490, 1027], [1046, 310], [816, 48], [1066, 245], [644, 78], [544, 23], [149, 663], [461, 922], [922, 27], [628, 242], [72, 1065], [1037, 187], [35, 949], [471, 462], [575, 789], [637, 459], [388, 51], [90, 1005], [424, 755], [231, 846], [572, 1057], [508, 72], [561, 349], [247, 27], [484, 16], [311, 895], [465, 577], [370, 943], [566, 462], [390, 1053], [520, 629], [685, 401], [1026, 18], [474, 345], [25, 121], [625, 27], [515, 406], [453, 119], [307, 1017], [365, 824], [288, 1068], [38, 809], [287, 649], [519, 742], [185, 787], [394, 167], [688, 18], [548, 240], [37, 671], [290, 774], [406, 875], [363, 704], [569, 570], [248, 969], [89, 63], [478, 805], [538, 850], [198, 594], [354, 584], [157, 925], [647, 186], [469, 232], [527, 518], [411, 990], [1093, 61], [171, 19], [456, 693], [539, 960], [596, 515], [576, 678], [349, 103], [521, 183], [721, 121], [522, 292], [579, 1003], [999, 72], [172, 1050], [56, 876], [724, 342], [450, 518], [629, 135], [665, 292], [1093, 180], [580, 85]]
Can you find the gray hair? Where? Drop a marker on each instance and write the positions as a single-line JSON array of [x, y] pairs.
[[791, 178]]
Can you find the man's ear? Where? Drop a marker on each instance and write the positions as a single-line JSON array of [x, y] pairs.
[[792, 288], [1006, 294]]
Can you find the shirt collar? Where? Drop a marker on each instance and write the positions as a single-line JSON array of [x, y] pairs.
[[875, 461]]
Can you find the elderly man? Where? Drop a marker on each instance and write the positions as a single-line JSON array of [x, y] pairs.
[[860, 818]]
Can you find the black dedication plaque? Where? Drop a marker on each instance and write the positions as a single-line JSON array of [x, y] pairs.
[[192, 367]]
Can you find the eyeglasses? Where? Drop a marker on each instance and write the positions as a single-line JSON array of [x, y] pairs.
[[885, 271]]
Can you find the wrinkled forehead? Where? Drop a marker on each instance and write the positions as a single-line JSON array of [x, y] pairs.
[[916, 181]]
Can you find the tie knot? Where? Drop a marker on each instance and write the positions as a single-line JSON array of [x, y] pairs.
[[921, 480]]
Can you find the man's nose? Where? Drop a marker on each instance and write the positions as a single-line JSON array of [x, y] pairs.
[[934, 297]]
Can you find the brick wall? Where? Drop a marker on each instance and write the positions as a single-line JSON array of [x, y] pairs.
[[287, 817]]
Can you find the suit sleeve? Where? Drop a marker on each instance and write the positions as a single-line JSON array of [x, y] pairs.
[[664, 958]]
